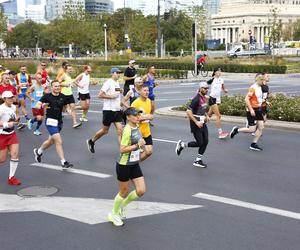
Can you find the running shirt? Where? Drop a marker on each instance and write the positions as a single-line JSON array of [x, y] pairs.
[[13, 82], [129, 72], [151, 85], [265, 93], [198, 107], [255, 95], [216, 89], [111, 87], [145, 107], [67, 90], [23, 82], [8, 88], [44, 75], [37, 94], [130, 136], [7, 114], [135, 94], [85, 83]]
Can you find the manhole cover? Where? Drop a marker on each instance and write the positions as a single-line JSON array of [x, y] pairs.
[[37, 191]]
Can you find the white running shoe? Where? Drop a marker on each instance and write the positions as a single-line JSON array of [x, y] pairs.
[[115, 219]]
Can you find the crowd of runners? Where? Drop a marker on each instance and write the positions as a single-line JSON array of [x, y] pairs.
[[130, 110]]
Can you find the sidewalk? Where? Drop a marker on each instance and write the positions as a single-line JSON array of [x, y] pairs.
[[291, 126]]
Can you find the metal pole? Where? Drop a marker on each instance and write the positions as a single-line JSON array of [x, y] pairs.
[[158, 30], [195, 46], [105, 42]]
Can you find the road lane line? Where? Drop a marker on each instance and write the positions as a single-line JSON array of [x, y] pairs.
[[71, 170], [162, 140], [253, 206]]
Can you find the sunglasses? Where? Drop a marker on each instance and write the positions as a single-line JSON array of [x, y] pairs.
[[43, 65]]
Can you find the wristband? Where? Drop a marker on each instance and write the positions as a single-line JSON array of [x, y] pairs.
[[5, 125]]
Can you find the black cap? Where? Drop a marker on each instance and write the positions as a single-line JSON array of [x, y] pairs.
[[12, 72], [132, 111]]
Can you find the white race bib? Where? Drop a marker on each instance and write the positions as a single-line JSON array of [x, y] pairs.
[[52, 122], [39, 94], [134, 156], [202, 118]]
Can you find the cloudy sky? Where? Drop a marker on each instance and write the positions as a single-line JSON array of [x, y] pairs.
[[118, 4]]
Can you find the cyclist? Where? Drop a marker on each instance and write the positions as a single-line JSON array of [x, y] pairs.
[[200, 63]]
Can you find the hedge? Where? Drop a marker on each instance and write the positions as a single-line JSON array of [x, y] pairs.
[[284, 108]]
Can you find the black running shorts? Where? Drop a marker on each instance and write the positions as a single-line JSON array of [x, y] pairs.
[[128, 172], [258, 117]]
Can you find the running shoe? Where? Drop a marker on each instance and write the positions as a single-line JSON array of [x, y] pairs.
[[199, 164], [13, 181], [179, 147], [77, 125], [255, 147], [223, 135], [83, 119], [67, 165], [90, 145], [234, 131], [37, 132], [21, 126], [115, 219], [37, 156], [29, 124]]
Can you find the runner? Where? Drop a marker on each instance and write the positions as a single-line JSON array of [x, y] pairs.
[[128, 168], [255, 118], [62, 70], [12, 78], [215, 100], [34, 93], [129, 76], [143, 103], [83, 81], [54, 103], [133, 93], [196, 113], [66, 89], [45, 77], [23, 83], [266, 94], [9, 142], [111, 95]]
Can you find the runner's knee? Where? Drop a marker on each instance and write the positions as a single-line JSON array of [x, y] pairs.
[[140, 191]]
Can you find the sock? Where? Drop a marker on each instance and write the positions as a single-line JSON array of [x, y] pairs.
[[39, 123], [40, 151], [13, 165], [220, 130], [33, 120], [117, 204], [62, 161], [27, 118], [199, 157], [131, 197]]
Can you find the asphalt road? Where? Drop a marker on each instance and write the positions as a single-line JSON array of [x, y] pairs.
[[267, 181]]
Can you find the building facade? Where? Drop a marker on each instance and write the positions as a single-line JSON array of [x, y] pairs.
[[95, 7], [237, 20]]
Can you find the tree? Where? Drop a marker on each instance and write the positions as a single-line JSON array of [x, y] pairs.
[[296, 30], [276, 26]]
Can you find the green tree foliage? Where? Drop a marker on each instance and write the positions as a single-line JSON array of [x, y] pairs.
[[276, 26], [296, 28]]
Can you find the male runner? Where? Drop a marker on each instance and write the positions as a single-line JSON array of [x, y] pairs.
[[196, 113], [54, 103], [45, 77], [111, 95], [9, 142], [129, 76], [255, 118], [143, 103]]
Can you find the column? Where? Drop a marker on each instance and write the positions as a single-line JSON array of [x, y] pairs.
[[233, 35], [226, 35], [258, 35]]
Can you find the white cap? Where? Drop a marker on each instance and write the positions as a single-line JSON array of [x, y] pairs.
[[203, 85], [132, 61], [7, 94]]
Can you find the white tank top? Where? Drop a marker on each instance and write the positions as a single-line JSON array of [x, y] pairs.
[[84, 82]]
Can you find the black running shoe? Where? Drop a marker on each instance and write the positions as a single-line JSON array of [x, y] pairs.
[[66, 165], [234, 131], [199, 164], [37, 156], [179, 147], [90, 144], [255, 147]]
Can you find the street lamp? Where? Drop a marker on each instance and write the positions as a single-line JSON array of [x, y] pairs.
[[105, 42]]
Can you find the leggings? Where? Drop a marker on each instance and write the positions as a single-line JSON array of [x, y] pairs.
[[201, 137]]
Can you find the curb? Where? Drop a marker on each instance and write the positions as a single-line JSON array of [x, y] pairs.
[[291, 126]]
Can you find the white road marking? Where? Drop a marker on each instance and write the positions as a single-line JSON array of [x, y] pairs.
[[85, 210], [253, 206], [71, 170], [162, 140]]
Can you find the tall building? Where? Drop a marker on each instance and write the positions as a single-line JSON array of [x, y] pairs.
[[211, 7], [252, 18], [95, 7], [56, 8], [35, 10], [11, 12]]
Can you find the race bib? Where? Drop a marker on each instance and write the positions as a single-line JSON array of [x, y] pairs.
[[24, 85], [52, 122], [134, 156], [39, 94], [202, 118]]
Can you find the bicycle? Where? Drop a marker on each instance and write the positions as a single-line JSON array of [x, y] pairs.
[[203, 71]]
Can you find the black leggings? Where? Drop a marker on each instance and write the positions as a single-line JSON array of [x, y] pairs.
[[201, 137]]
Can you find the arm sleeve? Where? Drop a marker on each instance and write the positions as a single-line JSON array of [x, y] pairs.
[[43, 99], [105, 87], [251, 91]]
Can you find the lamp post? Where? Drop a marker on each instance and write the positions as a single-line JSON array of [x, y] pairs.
[[158, 31], [105, 42]]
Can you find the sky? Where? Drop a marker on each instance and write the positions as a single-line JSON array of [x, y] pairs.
[[118, 4]]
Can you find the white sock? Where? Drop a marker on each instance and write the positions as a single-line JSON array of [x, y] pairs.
[[199, 157], [40, 151], [62, 161], [13, 165], [220, 130]]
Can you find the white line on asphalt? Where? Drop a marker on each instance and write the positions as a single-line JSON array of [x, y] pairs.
[[253, 206], [162, 140], [71, 170]]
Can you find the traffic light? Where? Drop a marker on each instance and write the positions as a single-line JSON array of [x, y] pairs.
[[166, 16]]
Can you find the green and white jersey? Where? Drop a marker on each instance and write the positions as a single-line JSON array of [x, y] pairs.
[[130, 137]]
